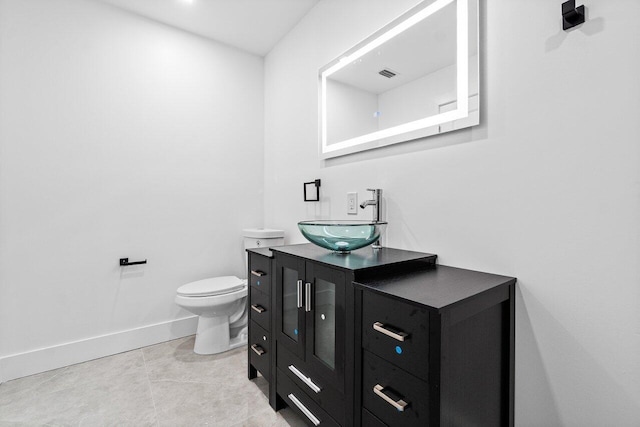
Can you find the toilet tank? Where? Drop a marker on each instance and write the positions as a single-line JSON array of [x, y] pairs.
[[262, 237]]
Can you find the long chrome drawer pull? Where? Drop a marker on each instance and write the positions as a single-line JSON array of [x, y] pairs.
[[299, 293], [305, 379], [307, 297], [399, 404], [258, 273], [258, 350], [304, 410], [396, 335], [258, 308]]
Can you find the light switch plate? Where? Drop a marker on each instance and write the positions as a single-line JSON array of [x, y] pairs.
[[352, 203]]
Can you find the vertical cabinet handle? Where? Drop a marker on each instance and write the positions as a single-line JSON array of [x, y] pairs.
[[257, 349], [390, 332], [299, 293], [304, 409], [399, 404], [307, 297]]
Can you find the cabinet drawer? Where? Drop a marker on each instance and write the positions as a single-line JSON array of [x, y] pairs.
[[260, 272], [397, 332], [316, 387], [298, 400], [260, 349], [391, 394], [259, 308]]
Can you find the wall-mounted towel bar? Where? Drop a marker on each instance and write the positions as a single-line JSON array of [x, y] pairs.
[[125, 261]]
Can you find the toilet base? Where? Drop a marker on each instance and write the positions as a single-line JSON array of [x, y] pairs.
[[239, 341], [212, 336]]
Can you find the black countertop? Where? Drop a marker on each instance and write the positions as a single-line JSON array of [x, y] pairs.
[[406, 275], [361, 259], [262, 251], [437, 286]]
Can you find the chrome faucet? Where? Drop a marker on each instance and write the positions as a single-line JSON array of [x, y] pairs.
[[376, 202]]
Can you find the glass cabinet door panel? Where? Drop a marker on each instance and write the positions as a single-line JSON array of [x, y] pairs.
[[325, 321], [290, 303]]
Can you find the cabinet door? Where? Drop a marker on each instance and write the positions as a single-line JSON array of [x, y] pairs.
[[290, 304], [325, 322]]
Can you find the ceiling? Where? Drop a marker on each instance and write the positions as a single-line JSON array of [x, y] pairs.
[[251, 25]]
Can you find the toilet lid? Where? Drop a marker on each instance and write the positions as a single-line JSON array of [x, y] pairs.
[[212, 286]]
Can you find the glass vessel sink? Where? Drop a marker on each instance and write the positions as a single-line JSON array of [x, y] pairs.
[[342, 236]]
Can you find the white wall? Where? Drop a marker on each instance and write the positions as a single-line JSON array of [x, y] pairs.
[[546, 188], [119, 137]]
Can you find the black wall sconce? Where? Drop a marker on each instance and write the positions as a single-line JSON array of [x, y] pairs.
[[312, 191], [571, 16]]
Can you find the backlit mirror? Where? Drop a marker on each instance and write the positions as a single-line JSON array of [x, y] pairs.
[[416, 77]]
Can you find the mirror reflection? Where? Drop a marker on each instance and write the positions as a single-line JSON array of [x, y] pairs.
[[416, 77]]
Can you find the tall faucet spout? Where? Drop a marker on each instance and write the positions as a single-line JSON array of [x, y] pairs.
[[376, 201], [377, 211]]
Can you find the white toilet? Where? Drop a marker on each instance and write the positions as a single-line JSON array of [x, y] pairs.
[[221, 302]]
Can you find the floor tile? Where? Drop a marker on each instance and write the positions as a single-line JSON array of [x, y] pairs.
[[215, 402], [114, 390], [176, 361], [162, 385]]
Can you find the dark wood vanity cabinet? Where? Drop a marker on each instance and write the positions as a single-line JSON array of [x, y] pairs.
[[314, 326], [310, 332], [261, 352], [437, 349], [381, 338]]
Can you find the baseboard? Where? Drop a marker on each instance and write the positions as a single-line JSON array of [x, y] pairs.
[[45, 359]]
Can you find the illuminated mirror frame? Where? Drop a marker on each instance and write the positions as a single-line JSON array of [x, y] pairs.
[[414, 129]]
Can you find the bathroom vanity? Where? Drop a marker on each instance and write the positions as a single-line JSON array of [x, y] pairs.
[[381, 337]]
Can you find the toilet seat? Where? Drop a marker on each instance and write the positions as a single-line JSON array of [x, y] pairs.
[[212, 286]]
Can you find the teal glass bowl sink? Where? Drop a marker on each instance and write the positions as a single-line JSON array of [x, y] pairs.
[[342, 236]]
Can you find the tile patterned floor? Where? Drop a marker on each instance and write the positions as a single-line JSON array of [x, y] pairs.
[[161, 385]]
